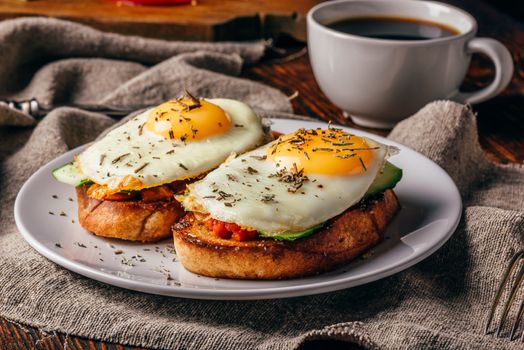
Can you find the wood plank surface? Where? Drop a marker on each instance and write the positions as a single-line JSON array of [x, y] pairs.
[[207, 20], [501, 134]]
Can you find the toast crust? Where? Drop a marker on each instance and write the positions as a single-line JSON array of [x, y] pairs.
[[343, 239], [128, 220]]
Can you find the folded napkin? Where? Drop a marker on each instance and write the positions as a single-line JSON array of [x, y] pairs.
[[439, 303]]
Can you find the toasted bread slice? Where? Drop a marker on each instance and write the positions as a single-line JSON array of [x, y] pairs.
[[129, 220], [342, 239]]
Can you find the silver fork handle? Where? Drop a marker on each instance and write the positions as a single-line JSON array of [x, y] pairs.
[[37, 110]]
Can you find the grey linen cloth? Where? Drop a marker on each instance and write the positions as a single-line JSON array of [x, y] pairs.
[[439, 303]]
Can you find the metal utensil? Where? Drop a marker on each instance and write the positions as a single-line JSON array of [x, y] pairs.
[[38, 110], [515, 284]]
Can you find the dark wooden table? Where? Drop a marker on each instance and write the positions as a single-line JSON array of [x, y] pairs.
[[500, 121]]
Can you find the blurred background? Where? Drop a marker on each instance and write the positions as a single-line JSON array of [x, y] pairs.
[[207, 20]]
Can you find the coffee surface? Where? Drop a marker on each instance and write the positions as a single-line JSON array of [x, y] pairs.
[[393, 28]]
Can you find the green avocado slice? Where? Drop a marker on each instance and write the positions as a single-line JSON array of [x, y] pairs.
[[70, 174], [386, 179], [290, 236]]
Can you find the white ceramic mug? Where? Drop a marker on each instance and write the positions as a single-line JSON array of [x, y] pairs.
[[379, 82]]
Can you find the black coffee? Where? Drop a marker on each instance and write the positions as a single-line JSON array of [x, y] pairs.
[[393, 28]]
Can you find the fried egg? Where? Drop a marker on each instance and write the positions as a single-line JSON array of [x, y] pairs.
[[294, 183], [177, 140]]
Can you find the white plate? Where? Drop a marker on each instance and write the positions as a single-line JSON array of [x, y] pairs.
[[431, 208]]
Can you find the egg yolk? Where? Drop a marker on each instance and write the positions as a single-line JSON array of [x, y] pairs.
[[188, 120], [322, 151]]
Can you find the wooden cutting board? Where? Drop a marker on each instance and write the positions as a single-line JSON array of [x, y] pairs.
[[206, 20]]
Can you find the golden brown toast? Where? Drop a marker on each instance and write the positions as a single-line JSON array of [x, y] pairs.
[[342, 239], [130, 220]]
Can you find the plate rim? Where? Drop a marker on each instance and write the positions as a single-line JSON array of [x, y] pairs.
[[235, 293]]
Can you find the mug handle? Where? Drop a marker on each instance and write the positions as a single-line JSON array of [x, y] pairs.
[[501, 57]]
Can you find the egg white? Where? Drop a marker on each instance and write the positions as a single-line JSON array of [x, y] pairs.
[[234, 193], [124, 150]]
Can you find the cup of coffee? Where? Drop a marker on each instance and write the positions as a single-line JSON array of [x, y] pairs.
[[380, 61]]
